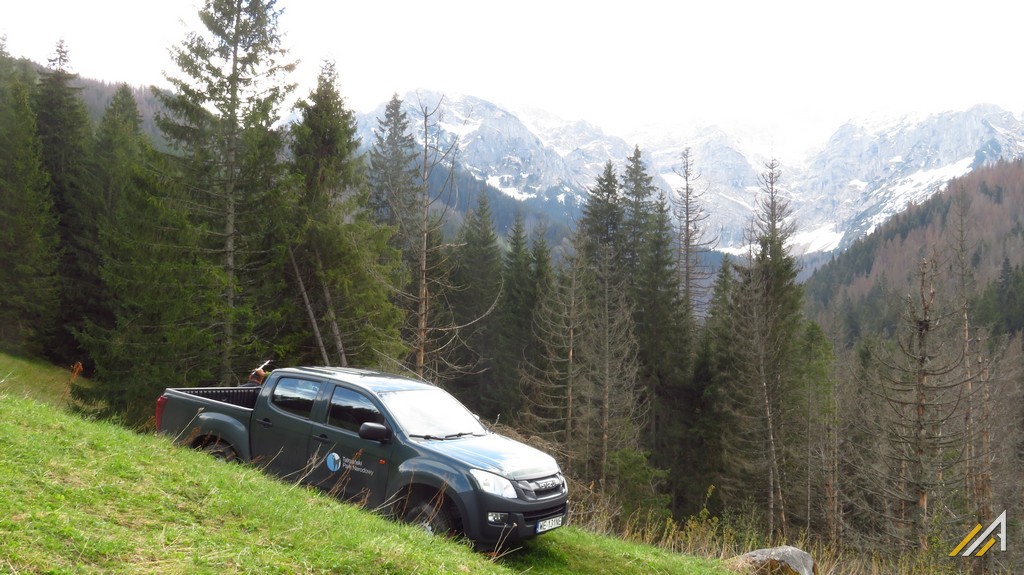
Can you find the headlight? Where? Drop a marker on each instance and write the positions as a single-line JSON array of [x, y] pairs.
[[494, 484]]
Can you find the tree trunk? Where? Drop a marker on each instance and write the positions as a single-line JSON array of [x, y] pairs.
[[775, 499], [227, 346], [423, 292], [309, 309], [331, 317]]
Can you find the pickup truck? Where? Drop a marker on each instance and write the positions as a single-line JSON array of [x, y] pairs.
[[393, 444]]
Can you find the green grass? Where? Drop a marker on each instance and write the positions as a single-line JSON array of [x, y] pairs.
[[82, 497], [29, 378], [569, 551]]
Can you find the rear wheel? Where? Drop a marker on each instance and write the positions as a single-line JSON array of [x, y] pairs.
[[220, 450], [433, 516]]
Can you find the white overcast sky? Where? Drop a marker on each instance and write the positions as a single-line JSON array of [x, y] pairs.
[[796, 68]]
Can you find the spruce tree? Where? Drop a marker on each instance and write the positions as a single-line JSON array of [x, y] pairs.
[[767, 318], [638, 198], [691, 431], [514, 314], [393, 175], [29, 240], [477, 273], [220, 117], [712, 398], [431, 326], [603, 216], [157, 288], [64, 134], [662, 352], [344, 270], [613, 407], [924, 392], [553, 382]]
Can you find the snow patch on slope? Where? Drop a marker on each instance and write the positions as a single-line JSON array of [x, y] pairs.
[[917, 188]]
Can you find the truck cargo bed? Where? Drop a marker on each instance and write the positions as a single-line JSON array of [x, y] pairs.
[[240, 396]]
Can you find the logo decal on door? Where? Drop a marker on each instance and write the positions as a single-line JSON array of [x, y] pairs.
[[333, 462]]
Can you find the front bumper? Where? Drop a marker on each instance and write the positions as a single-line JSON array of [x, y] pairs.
[[495, 519]]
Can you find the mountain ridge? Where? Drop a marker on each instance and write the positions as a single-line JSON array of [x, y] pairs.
[[869, 170]]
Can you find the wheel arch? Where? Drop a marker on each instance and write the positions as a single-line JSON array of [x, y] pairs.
[[411, 495], [211, 427]]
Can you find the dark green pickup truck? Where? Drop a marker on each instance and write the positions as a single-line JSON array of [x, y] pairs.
[[390, 443]]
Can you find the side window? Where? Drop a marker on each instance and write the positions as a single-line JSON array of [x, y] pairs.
[[295, 396], [350, 409]]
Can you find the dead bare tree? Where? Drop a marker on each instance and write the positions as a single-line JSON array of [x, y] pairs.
[[693, 241], [922, 382]]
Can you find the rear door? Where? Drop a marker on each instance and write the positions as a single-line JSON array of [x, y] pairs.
[[280, 426], [343, 463]]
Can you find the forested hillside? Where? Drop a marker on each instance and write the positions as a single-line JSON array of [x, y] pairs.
[[878, 422], [926, 319], [977, 218]]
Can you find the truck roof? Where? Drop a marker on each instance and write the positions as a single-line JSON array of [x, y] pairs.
[[374, 381]]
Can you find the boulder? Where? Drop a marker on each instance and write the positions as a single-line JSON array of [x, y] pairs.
[[783, 560]]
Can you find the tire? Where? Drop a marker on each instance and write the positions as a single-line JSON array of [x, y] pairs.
[[433, 516], [220, 451]]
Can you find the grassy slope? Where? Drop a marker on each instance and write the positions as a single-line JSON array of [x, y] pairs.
[[79, 496]]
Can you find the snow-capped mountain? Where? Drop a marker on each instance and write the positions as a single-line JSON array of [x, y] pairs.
[[541, 160], [868, 171]]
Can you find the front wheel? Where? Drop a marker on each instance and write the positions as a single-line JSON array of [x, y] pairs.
[[220, 450], [432, 516]]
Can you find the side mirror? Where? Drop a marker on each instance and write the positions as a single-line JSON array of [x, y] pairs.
[[374, 432]]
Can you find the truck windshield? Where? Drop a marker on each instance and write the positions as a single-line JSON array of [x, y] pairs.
[[431, 413]]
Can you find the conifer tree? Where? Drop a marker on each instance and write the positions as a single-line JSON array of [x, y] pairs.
[[342, 263], [638, 198], [690, 399], [540, 263], [704, 437], [156, 287], [767, 317], [603, 216], [394, 176], [553, 382], [543, 279], [923, 391], [613, 405], [662, 354], [64, 134], [477, 272], [514, 314], [29, 241], [220, 116]]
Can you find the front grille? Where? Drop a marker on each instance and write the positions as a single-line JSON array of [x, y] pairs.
[[543, 487]]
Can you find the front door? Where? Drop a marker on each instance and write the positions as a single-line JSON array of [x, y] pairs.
[[343, 463]]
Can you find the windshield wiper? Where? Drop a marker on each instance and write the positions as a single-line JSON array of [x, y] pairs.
[[449, 436], [427, 436], [460, 434]]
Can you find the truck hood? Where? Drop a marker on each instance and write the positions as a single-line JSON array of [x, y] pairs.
[[498, 454]]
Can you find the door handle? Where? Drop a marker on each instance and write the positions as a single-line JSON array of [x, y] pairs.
[[322, 438], [265, 422]]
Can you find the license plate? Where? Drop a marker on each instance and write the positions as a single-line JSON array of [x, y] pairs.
[[549, 524]]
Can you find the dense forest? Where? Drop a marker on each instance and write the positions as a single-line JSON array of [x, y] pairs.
[[876, 407]]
